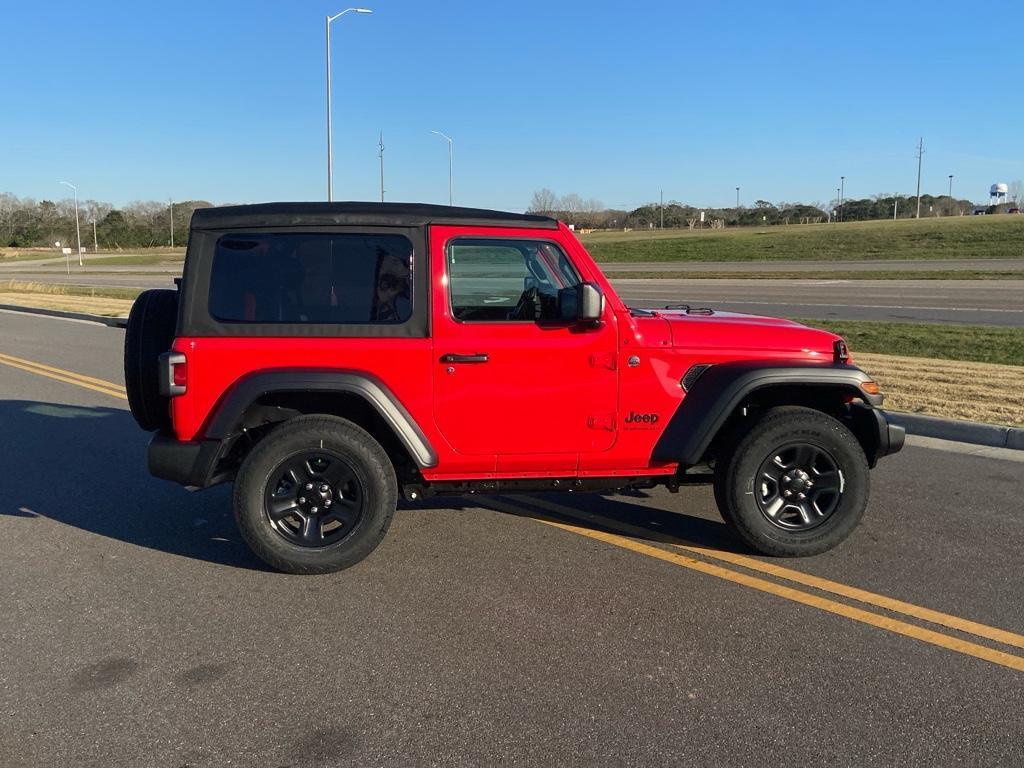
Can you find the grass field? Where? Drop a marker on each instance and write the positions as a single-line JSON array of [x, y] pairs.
[[959, 237], [978, 343]]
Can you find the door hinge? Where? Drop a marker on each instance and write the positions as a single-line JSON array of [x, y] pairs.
[[603, 360], [605, 421]]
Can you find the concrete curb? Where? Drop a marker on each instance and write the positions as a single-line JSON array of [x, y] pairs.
[[974, 432], [113, 322]]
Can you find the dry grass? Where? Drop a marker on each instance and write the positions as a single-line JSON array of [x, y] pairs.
[[104, 292], [948, 388], [953, 389], [94, 305]]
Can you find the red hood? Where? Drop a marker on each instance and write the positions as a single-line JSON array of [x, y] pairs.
[[738, 333]]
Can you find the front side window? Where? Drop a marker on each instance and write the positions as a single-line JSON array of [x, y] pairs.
[[508, 279], [312, 278]]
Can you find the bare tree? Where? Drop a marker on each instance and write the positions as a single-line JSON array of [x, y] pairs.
[[544, 201], [1017, 192]]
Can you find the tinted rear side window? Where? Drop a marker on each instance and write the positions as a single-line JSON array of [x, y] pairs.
[[312, 278]]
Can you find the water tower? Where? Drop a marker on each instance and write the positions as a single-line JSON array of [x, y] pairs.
[[997, 194]]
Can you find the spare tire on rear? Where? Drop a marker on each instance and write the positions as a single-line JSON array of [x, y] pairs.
[[149, 334]]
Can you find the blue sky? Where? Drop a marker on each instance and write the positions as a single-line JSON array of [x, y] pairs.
[[225, 100]]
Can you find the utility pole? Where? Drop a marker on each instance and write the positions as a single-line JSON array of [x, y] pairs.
[[920, 153], [842, 194], [170, 204], [661, 205], [951, 194], [381, 156]]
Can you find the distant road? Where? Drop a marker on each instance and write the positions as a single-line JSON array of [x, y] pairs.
[[896, 265], [983, 302]]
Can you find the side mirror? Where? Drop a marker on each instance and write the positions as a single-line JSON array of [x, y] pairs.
[[581, 303], [589, 303]]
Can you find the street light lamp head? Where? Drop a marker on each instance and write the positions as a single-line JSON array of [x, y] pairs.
[[362, 10]]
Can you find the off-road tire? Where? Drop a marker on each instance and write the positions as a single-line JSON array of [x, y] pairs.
[[367, 462], [737, 486], [150, 333]]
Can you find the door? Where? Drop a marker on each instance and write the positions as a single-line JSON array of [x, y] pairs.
[[512, 378]]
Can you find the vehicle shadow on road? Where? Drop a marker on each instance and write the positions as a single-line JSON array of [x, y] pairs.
[[625, 515], [86, 467]]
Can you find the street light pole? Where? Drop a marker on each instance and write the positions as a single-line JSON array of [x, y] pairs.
[[920, 154], [170, 204], [449, 140], [78, 232], [381, 156], [842, 194], [951, 193], [95, 245], [330, 154]]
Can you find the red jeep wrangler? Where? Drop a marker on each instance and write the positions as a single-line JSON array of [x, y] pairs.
[[327, 357]]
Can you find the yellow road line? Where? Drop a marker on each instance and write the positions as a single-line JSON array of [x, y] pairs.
[[806, 579], [61, 371], [788, 593], [49, 373]]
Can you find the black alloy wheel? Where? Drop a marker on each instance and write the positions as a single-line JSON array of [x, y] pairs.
[[798, 486], [792, 482], [315, 495], [314, 499]]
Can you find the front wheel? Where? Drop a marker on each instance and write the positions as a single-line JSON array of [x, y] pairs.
[[316, 495], [795, 484]]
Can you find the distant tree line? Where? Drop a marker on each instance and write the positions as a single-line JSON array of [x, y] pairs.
[[591, 214], [28, 223]]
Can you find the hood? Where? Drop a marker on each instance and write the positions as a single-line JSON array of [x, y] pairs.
[[714, 330]]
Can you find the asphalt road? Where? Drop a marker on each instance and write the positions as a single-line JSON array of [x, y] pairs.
[[138, 630], [984, 302], [838, 266]]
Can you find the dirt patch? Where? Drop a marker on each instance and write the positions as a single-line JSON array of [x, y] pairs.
[[948, 388]]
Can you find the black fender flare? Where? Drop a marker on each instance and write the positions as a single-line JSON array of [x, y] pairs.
[[229, 412], [722, 388]]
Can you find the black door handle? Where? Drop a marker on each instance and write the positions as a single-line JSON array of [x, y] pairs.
[[478, 358]]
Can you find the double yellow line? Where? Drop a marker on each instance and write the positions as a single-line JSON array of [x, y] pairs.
[[68, 377], [704, 562], [738, 574]]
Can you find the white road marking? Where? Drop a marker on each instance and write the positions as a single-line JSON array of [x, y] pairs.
[[784, 303]]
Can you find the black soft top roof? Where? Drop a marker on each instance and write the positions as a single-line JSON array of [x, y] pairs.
[[350, 213]]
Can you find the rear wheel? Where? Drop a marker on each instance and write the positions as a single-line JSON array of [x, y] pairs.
[[150, 333], [795, 484], [316, 495]]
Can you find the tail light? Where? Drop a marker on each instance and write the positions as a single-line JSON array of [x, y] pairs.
[[173, 374]]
